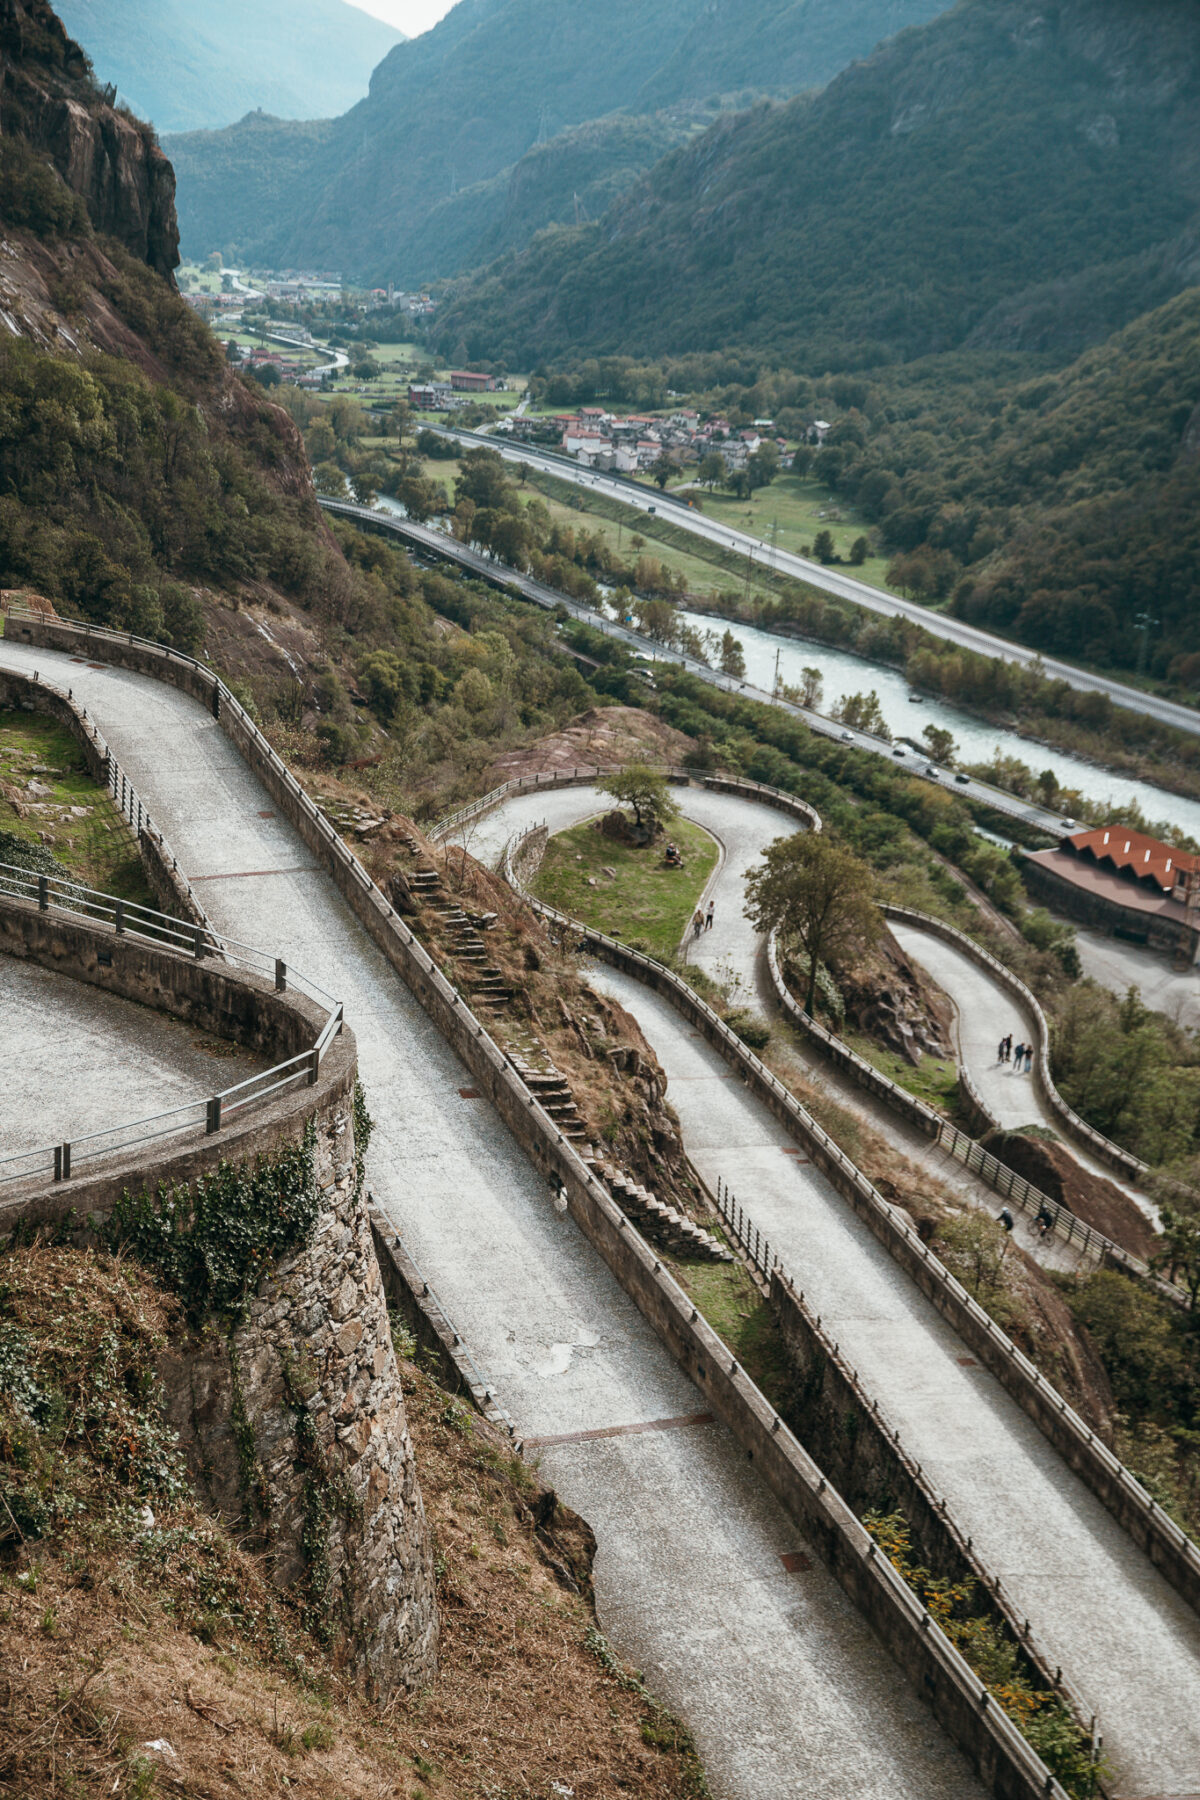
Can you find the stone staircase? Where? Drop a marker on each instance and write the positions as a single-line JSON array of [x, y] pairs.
[[662, 1224]]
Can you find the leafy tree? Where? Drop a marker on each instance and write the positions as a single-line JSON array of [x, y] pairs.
[[942, 746], [733, 657], [1177, 1189], [646, 790], [763, 466], [816, 894], [864, 713], [812, 688], [823, 547], [860, 549], [662, 472], [330, 480], [712, 469]]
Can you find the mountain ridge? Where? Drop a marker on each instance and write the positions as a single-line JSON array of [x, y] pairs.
[[984, 156], [186, 68], [465, 102]]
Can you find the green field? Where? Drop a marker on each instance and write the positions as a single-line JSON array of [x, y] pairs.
[[48, 797], [641, 899], [790, 513]]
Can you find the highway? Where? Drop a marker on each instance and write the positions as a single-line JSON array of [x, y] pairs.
[[832, 581], [425, 539]]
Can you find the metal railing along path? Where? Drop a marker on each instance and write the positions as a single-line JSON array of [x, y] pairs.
[[60, 1161]]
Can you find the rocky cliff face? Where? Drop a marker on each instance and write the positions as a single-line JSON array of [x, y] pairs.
[[49, 99]]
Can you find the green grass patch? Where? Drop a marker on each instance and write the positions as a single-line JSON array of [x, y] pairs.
[[641, 899], [936, 1083], [740, 1316], [75, 818]]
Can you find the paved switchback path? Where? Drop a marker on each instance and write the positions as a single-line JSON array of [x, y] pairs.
[[986, 1013], [1129, 1644], [785, 1688], [1097, 1605]]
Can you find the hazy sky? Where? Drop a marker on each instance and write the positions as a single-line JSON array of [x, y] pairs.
[[411, 16]]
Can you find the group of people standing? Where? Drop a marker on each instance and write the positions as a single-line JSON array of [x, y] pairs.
[[1006, 1053]]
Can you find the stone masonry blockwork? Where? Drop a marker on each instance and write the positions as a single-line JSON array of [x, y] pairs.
[[317, 1336]]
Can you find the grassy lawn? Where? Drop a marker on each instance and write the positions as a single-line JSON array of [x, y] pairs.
[[936, 1083], [799, 508], [75, 818], [643, 900]]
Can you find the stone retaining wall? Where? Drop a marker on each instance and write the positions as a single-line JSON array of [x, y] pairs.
[[315, 1351], [297, 1411]]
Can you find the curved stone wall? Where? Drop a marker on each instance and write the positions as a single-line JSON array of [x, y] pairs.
[[292, 1419]]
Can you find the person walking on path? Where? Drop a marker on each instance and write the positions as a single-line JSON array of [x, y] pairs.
[[1000, 1052], [1018, 1053], [697, 923], [1029, 1059], [708, 917]]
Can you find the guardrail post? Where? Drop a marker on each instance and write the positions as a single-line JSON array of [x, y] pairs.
[[216, 700], [314, 1067], [213, 1119], [119, 916], [198, 941], [280, 975], [43, 893]]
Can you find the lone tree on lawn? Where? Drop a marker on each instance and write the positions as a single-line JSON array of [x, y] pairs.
[[815, 893], [644, 789]]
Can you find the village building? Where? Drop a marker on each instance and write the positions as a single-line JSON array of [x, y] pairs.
[[1125, 883], [466, 381]]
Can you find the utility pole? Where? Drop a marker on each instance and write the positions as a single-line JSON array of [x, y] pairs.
[[1143, 623], [775, 689]]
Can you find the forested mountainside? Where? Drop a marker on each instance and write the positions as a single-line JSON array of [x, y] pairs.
[[185, 66], [1063, 508], [1010, 175], [464, 103]]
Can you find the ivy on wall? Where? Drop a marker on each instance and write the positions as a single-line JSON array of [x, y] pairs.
[[212, 1244]]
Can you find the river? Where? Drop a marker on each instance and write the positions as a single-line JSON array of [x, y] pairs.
[[977, 741]]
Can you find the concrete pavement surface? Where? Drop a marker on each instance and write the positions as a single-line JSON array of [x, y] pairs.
[[788, 1692], [78, 1060], [731, 953], [1120, 966], [1098, 1607]]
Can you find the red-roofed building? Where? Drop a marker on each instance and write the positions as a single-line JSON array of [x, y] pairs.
[[466, 381], [1125, 882]]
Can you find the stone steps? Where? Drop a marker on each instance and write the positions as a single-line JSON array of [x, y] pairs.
[[662, 1224]]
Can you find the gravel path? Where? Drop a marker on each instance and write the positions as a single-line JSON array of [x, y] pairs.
[[786, 1689]]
